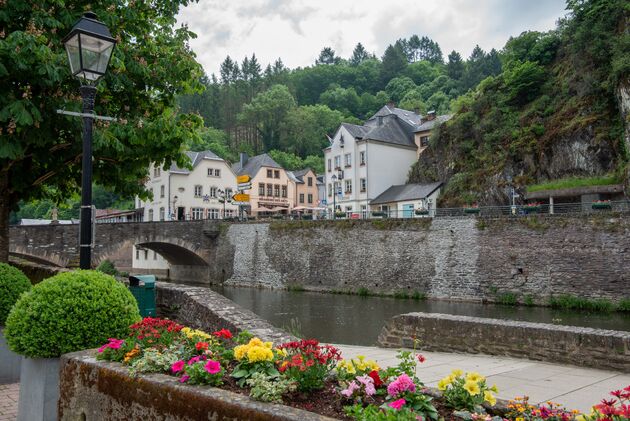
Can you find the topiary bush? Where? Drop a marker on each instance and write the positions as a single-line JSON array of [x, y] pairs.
[[13, 283], [69, 312]]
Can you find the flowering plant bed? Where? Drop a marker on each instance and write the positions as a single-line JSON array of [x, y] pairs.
[[305, 374], [602, 204], [532, 207]]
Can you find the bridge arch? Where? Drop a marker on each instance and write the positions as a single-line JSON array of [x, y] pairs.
[[174, 254]]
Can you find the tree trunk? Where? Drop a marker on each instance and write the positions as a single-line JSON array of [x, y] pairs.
[[5, 210]]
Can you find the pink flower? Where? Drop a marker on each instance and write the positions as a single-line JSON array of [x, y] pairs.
[[402, 384], [177, 366], [194, 360], [397, 404], [184, 378], [212, 367], [112, 344], [350, 390], [368, 382]]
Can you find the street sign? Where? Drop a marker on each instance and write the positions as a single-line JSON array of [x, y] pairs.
[[240, 197], [244, 186], [242, 179], [240, 203]]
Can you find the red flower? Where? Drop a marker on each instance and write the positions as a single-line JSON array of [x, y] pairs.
[[421, 358], [376, 378], [201, 346], [223, 333]]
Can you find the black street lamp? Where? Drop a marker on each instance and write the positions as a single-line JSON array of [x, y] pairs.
[[89, 46]]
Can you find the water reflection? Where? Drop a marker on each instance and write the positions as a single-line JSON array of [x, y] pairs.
[[355, 320]]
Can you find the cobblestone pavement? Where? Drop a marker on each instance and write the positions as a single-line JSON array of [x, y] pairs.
[[9, 394], [575, 387]]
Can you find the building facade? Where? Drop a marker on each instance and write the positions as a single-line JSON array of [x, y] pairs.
[[364, 161], [306, 195], [197, 193], [272, 189], [407, 201]]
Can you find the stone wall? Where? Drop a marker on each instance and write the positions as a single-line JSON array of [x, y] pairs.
[[604, 349], [204, 309], [467, 258], [98, 390]]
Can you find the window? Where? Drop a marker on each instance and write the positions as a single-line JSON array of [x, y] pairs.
[[228, 193], [137, 254], [197, 213], [347, 159], [276, 190], [362, 157], [310, 198], [269, 190], [217, 172], [156, 172], [276, 174], [150, 214], [146, 255], [301, 197], [337, 162], [309, 181], [329, 165], [284, 191], [198, 191], [270, 174], [213, 213], [213, 192], [363, 183], [261, 189], [210, 172], [162, 190], [228, 213], [348, 186], [424, 141], [151, 191], [330, 190], [161, 214]]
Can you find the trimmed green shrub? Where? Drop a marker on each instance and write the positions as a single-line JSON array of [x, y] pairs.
[[13, 283], [108, 267], [70, 312]]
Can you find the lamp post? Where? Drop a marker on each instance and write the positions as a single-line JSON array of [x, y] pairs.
[[89, 46], [174, 212], [223, 198], [334, 182]]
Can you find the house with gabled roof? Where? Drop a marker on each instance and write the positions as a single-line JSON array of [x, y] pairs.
[[363, 161], [305, 193], [272, 189]]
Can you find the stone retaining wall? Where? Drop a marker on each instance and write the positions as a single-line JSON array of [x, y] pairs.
[[604, 349], [98, 390], [202, 308]]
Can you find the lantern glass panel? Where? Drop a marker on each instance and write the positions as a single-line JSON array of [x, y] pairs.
[[95, 53], [72, 48]]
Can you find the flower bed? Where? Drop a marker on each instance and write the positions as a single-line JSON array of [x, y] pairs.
[[532, 207], [307, 375]]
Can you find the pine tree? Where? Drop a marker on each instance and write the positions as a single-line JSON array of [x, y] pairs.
[[455, 68], [327, 56], [359, 55], [394, 62]]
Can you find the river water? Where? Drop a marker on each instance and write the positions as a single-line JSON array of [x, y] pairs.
[[355, 320]]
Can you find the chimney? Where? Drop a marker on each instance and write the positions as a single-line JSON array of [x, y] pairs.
[[391, 104], [431, 115], [243, 159]]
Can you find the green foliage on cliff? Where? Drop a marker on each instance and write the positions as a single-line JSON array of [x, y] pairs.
[[550, 114]]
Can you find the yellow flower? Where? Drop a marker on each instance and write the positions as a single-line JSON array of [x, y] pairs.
[[350, 369], [457, 372], [240, 351], [489, 397], [472, 387], [259, 353], [494, 388], [442, 384], [474, 377], [268, 345], [519, 419], [282, 352], [255, 342], [580, 418]]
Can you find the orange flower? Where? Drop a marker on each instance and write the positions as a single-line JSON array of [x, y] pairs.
[[131, 354]]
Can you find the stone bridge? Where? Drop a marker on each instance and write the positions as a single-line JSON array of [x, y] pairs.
[[189, 246]]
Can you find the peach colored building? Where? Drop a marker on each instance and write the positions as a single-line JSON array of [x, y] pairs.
[[272, 190], [305, 192]]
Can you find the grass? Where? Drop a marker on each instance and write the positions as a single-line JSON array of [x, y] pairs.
[[507, 298], [364, 292], [295, 288], [294, 328], [571, 302], [573, 182]]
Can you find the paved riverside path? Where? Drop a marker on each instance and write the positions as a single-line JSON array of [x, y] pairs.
[[574, 387]]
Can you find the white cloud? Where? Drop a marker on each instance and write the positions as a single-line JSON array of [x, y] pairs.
[[296, 30]]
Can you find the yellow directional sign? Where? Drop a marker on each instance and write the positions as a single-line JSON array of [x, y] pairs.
[[243, 179], [241, 197]]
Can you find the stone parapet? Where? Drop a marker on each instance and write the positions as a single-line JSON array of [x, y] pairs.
[[99, 390], [205, 309], [597, 348]]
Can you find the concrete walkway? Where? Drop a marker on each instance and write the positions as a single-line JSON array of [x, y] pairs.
[[9, 394], [574, 387]]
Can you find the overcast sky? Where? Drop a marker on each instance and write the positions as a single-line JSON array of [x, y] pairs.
[[297, 30]]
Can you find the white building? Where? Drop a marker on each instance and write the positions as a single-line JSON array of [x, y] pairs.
[[407, 201], [183, 194], [364, 161]]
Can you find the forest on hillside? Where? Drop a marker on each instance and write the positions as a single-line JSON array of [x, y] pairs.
[[289, 112]]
